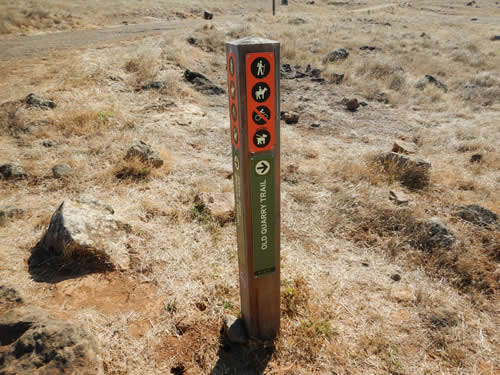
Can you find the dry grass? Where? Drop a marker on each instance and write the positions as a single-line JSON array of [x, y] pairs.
[[342, 238]]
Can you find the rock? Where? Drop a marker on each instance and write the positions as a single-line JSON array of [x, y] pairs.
[[297, 21], [202, 83], [11, 171], [145, 153], [403, 147], [235, 330], [315, 124], [430, 79], [404, 160], [403, 295], [191, 40], [382, 97], [316, 73], [477, 215], [476, 158], [338, 54], [37, 344], [208, 15], [470, 3], [495, 38], [61, 170], [157, 85], [369, 48], [350, 104], [396, 277], [219, 205], [398, 197], [411, 171], [441, 318], [9, 299], [47, 144], [318, 79], [9, 212], [435, 234], [86, 229], [337, 78], [363, 104], [290, 118], [37, 101], [299, 74], [286, 68], [310, 2]]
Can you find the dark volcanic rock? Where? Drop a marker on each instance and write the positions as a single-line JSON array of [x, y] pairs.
[[430, 79], [208, 15], [290, 117], [435, 234], [145, 153], [37, 344], [11, 171], [477, 215], [157, 85], [61, 170], [37, 101], [476, 158], [9, 212], [202, 83], [338, 54]]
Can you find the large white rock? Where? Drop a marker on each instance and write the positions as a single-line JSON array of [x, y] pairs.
[[88, 228]]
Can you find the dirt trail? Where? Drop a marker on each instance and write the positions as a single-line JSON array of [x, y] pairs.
[[43, 44]]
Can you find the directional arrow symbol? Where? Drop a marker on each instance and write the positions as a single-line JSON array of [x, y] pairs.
[[262, 167]]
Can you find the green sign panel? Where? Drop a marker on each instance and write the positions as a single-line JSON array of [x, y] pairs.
[[239, 214], [263, 214]]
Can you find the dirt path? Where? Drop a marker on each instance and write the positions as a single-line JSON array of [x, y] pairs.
[[43, 44]]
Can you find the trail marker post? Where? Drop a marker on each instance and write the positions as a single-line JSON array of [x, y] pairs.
[[253, 70]]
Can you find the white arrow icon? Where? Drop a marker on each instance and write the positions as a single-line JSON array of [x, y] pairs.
[[262, 167]]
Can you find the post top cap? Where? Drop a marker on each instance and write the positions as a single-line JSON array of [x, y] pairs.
[[251, 40]]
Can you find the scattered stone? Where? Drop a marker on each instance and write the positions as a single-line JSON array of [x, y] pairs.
[[47, 144], [315, 124], [145, 153], [86, 229], [310, 2], [157, 85], [316, 73], [474, 19], [403, 147], [208, 15], [495, 38], [404, 160], [290, 118], [382, 97], [235, 330], [202, 83], [318, 79], [435, 234], [471, 3], [430, 79], [297, 21], [477, 215], [286, 68], [218, 205], [350, 104], [9, 212], [369, 48], [338, 54], [337, 78], [441, 318], [61, 170], [299, 74], [9, 299], [365, 264], [412, 172], [191, 40], [476, 158], [398, 197], [35, 343], [37, 101], [396, 277], [12, 171]]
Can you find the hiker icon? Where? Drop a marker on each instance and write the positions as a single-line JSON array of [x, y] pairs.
[[260, 67], [261, 138], [261, 92]]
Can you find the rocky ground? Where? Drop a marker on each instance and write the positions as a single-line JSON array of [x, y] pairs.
[[117, 234]]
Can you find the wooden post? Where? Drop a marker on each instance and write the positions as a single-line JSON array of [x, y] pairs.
[[274, 7], [253, 66]]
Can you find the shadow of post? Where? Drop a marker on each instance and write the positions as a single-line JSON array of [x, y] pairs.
[[238, 359]]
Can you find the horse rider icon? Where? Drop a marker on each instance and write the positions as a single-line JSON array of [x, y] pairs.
[[259, 94]]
